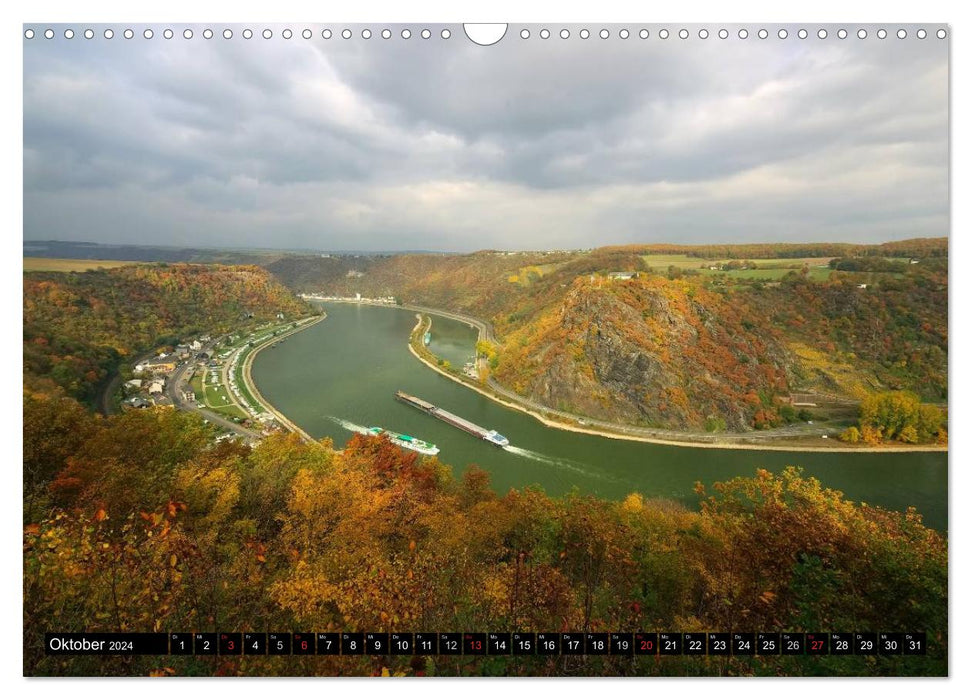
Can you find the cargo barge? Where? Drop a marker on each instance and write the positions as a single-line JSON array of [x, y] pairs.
[[452, 419]]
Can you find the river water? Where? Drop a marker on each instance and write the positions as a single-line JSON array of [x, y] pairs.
[[344, 372]]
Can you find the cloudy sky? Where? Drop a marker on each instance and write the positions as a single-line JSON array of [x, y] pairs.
[[445, 145]]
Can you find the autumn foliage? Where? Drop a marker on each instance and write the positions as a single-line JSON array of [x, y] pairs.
[[79, 326], [140, 523]]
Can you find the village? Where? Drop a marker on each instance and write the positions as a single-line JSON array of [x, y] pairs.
[[319, 296], [207, 375]]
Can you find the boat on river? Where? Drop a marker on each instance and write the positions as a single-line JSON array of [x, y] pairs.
[[401, 440], [457, 421]]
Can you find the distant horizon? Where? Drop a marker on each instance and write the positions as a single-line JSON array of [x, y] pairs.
[[321, 251]]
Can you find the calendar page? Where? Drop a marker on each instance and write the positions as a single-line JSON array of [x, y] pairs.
[[439, 349]]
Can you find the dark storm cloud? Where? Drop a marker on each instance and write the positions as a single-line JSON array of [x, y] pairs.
[[443, 144]]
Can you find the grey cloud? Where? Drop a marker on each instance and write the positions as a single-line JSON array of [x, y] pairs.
[[448, 145]]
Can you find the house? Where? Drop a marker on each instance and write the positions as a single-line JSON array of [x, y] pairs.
[[861, 286], [138, 402], [156, 366], [156, 388], [134, 384], [621, 275], [280, 315], [195, 345]]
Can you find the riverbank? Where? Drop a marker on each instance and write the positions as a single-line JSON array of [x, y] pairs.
[[561, 420], [255, 392], [685, 440]]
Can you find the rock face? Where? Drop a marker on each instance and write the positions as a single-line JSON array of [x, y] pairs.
[[651, 351]]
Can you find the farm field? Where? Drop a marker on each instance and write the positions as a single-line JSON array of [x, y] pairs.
[[817, 274], [768, 268], [71, 265]]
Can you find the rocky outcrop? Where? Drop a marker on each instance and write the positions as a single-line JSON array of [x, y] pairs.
[[652, 352]]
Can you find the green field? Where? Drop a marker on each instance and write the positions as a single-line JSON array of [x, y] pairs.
[[767, 268], [212, 396], [817, 274], [68, 265]]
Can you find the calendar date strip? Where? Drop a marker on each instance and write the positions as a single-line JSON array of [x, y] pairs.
[[487, 643]]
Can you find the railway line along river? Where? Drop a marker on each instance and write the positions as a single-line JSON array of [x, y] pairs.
[[344, 371]]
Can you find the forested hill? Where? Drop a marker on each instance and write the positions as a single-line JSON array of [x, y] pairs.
[[685, 337], [147, 526], [79, 326]]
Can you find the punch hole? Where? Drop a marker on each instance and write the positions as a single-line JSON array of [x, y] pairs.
[[485, 34]]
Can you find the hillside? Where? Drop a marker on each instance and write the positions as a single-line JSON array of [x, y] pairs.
[[141, 523], [649, 351], [79, 326], [700, 338]]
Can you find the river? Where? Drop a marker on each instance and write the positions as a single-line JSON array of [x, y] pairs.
[[345, 370]]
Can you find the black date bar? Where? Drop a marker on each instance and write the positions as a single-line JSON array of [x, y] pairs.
[[106, 643]]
